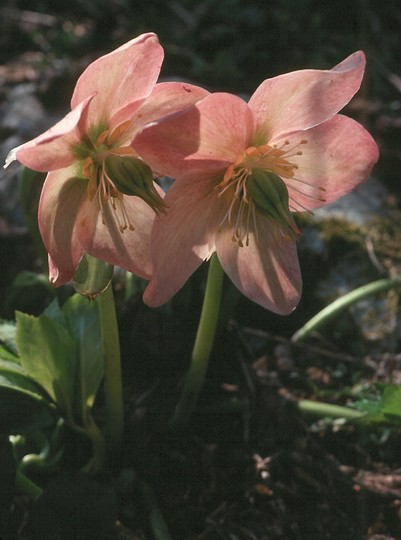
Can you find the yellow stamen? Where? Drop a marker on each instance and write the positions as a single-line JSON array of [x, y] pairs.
[[276, 160]]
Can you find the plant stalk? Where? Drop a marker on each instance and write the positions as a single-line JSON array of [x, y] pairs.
[[112, 372], [26, 486], [202, 347], [333, 309], [322, 410]]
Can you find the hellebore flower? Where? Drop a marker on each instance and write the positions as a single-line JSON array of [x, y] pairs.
[[255, 164], [98, 196]]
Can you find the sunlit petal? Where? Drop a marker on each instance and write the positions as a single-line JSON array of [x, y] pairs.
[[208, 135], [53, 149], [122, 80], [303, 99], [338, 156]]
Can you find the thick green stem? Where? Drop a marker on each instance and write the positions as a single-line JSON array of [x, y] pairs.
[[112, 372], [342, 303], [322, 410], [202, 346]]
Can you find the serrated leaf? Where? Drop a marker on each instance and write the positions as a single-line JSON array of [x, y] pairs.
[[48, 354], [83, 321]]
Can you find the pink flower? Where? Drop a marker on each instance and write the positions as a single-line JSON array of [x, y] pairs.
[[98, 196], [243, 169]]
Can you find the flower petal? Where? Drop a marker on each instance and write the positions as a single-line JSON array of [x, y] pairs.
[[62, 199], [183, 237], [71, 224], [338, 156], [52, 149], [122, 79], [268, 273], [303, 99], [166, 98], [128, 249], [209, 135]]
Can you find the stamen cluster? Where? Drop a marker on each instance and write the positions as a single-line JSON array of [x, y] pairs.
[[253, 183]]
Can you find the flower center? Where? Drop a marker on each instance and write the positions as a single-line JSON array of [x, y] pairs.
[[254, 185], [113, 172]]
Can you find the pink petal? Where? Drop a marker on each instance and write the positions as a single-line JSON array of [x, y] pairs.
[[122, 79], [70, 225], [303, 99], [52, 149], [62, 199], [208, 136], [166, 98], [338, 156], [267, 274], [130, 249], [183, 238]]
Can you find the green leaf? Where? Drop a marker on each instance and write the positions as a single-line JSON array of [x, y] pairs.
[[391, 404], [83, 322], [54, 312], [17, 375], [21, 400], [8, 346], [48, 354]]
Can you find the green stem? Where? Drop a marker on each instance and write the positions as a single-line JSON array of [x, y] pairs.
[[112, 372], [306, 406], [99, 458], [202, 346], [322, 410], [332, 310], [26, 486]]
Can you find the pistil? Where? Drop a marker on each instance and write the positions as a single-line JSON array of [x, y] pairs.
[[254, 184]]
